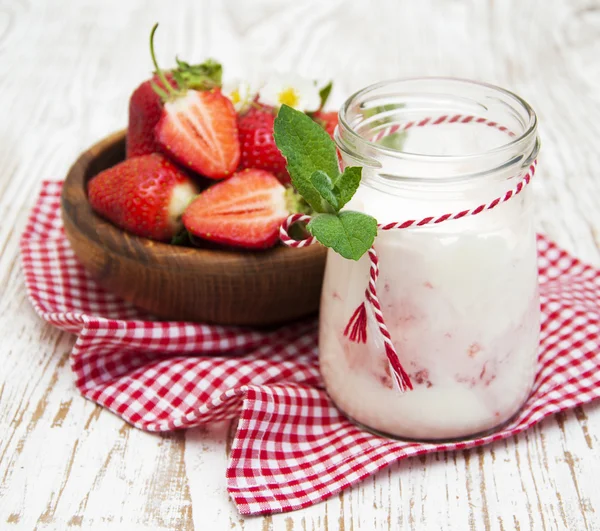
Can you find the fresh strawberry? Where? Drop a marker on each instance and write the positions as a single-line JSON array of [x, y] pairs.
[[145, 108], [243, 211], [258, 148], [327, 120], [145, 104], [197, 128], [143, 195]]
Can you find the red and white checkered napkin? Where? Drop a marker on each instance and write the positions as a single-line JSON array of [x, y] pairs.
[[292, 447]]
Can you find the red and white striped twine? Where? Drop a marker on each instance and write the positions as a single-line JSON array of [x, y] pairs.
[[433, 220], [445, 119], [356, 329], [286, 239]]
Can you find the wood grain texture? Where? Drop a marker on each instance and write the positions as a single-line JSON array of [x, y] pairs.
[[66, 70], [260, 288]]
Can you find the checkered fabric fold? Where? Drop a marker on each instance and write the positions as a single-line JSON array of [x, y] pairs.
[[292, 447]]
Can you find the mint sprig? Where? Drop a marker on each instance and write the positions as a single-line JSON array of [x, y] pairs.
[[313, 167]]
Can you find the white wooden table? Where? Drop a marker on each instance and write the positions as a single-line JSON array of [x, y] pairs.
[[66, 71]]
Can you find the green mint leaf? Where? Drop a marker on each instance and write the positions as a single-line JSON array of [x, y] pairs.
[[350, 234], [346, 183], [307, 148], [322, 182], [324, 94]]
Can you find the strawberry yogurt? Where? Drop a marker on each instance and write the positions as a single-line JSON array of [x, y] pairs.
[[460, 301]]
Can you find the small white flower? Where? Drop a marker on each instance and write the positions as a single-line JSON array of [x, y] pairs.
[[241, 92], [297, 92]]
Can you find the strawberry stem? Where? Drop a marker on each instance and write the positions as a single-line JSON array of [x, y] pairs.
[[169, 92], [163, 95]]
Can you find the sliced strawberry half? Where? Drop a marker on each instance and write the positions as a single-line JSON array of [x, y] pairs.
[[199, 130], [146, 102], [243, 211]]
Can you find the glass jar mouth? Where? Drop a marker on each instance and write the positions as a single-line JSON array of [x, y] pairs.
[[445, 97]]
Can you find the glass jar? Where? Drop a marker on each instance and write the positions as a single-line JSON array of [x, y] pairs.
[[459, 298]]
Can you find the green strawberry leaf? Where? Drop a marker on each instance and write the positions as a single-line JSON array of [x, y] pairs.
[[182, 64], [351, 234], [307, 148], [322, 182], [204, 76], [324, 94], [346, 184]]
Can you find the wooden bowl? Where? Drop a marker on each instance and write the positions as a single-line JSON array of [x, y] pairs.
[[256, 288]]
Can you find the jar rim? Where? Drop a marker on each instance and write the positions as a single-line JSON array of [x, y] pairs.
[[530, 127]]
